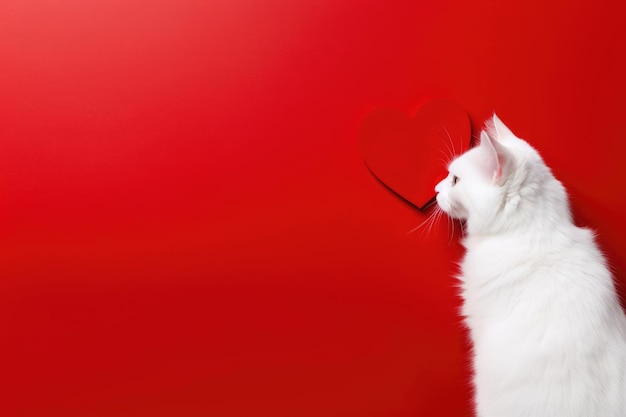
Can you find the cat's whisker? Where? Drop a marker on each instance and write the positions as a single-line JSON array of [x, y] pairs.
[[450, 141], [451, 222], [450, 228], [431, 221], [446, 158], [448, 144], [450, 153], [437, 219], [422, 224], [444, 162]]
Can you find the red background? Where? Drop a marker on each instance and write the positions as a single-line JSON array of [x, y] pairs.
[[187, 227]]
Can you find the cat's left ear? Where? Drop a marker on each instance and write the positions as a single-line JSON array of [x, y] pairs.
[[496, 158], [498, 130]]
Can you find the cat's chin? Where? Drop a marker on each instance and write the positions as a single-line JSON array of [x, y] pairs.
[[453, 214]]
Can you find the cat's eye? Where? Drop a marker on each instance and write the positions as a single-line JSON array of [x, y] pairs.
[[455, 179]]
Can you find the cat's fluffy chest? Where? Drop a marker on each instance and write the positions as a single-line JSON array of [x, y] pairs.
[[541, 315], [536, 286]]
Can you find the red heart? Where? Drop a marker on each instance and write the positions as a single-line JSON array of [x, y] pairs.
[[409, 155]]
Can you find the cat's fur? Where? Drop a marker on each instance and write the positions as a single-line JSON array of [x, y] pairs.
[[548, 333]]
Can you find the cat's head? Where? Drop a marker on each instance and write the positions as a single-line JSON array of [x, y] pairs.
[[498, 183]]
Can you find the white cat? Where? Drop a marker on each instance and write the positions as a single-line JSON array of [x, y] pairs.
[[548, 333]]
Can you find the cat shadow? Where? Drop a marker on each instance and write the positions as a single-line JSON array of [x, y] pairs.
[[602, 219]]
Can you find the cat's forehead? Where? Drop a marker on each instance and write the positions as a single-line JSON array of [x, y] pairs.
[[463, 162]]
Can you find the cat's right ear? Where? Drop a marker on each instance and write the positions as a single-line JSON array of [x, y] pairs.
[[495, 158]]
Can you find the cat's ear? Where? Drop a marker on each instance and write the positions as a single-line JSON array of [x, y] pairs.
[[498, 130], [496, 158]]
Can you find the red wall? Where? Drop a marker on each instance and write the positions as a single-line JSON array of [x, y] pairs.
[[187, 227]]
